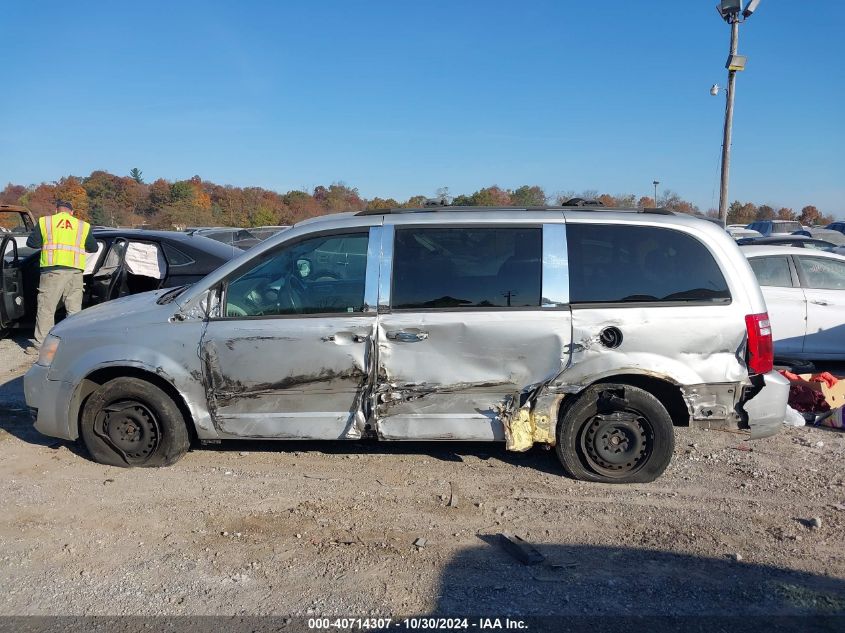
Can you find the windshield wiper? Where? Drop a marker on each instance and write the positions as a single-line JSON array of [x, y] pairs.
[[170, 295]]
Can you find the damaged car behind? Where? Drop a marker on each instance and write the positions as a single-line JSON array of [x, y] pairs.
[[594, 331]]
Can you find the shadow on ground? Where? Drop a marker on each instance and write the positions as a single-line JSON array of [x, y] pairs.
[[537, 458], [583, 581]]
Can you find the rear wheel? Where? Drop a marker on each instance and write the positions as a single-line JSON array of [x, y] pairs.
[[131, 422], [615, 434]]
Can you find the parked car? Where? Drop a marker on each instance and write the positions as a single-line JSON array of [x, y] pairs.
[[241, 238], [805, 295], [839, 227], [16, 221], [741, 232], [828, 235], [591, 330], [264, 232], [797, 241], [775, 227], [128, 261]]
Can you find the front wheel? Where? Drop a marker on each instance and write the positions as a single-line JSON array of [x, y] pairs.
[[131, 422], [615, 434]]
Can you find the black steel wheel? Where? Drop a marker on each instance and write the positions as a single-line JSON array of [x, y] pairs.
[[615, 434], [130, 427], [131, 422]]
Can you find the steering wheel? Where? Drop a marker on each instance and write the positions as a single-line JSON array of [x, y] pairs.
[[250, 306], [295, 292]]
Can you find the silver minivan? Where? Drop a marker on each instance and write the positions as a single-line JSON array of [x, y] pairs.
[[593, 331]]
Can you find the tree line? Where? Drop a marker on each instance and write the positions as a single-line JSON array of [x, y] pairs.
[[106, 199]]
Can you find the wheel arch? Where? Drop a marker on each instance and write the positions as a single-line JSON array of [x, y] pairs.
[[98, 377], [666, 391]]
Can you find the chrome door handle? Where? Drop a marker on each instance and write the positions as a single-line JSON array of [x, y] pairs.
[[343, 338], [819, 303], [407, 336]]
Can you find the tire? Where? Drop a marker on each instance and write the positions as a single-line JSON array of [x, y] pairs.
[[131, 422], [615, 434]]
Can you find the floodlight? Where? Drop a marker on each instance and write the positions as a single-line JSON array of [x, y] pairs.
[[750, 8], [730, 7], [714, 90]]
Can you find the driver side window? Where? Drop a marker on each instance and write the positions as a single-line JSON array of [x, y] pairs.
[[318, 275]]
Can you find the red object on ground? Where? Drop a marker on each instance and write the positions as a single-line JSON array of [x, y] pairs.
[[827, 377]]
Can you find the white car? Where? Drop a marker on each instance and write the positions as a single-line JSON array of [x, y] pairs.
[[805, 295]]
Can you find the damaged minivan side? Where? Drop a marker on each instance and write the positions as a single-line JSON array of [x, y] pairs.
[[592, 331]]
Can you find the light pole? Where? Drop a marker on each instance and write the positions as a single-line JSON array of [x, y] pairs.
[[655, 183], [733, 13]]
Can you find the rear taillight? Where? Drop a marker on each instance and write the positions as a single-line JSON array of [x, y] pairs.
[[761, 357]]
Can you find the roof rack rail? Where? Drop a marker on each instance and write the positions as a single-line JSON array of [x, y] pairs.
[[441, 208]]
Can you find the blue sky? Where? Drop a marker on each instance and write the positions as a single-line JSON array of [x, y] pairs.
[[399, 98]]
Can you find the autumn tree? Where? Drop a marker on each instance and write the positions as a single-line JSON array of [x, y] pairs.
[[765, 212], [382, 203], [607, 200], [12, 194], [785, 213], [71, 189], [674, 202], [493, 196], [809, 215], [415, 202]]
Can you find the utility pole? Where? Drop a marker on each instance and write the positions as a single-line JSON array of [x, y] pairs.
[[733, 13], [729, 122]]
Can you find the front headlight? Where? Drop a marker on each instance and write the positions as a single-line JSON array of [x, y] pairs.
[[48, 350]]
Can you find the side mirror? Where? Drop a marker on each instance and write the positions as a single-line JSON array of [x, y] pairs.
[[303, 266]]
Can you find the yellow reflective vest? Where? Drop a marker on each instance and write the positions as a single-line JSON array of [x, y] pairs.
[[63, 240]]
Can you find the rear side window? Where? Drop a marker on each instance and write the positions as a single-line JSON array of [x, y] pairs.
[[823, 274], [622, 264], [786, 227], [487, 267], [175, 257], [772, 271]]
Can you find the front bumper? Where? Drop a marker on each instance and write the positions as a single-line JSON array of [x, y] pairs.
[[51, 400], [767, 409]]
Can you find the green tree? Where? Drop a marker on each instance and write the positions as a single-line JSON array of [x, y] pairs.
[[181, 191], [135, 174], [739, 213], [264, 216], [528, 196]]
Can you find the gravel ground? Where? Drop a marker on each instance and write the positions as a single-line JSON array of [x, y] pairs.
[[288, 528]]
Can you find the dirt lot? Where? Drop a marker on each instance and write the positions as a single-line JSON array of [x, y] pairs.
[[292, 528]]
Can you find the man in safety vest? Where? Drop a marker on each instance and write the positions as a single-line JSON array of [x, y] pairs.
[[64, 241]]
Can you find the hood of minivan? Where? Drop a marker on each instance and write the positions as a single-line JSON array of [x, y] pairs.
[[127, 311]]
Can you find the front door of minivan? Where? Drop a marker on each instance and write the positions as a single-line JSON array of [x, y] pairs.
[[288, 357], [476, 318], [12, 306]]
